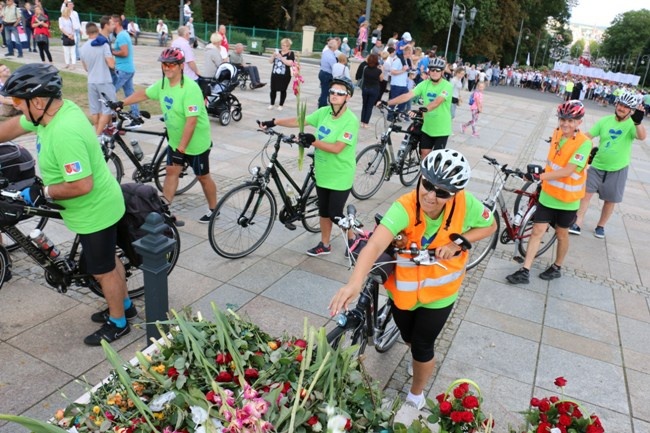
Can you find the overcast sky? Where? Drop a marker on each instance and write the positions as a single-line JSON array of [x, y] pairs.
[[602, 12]]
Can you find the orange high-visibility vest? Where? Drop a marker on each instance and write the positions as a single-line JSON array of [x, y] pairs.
[[571, 188], [411, 283]]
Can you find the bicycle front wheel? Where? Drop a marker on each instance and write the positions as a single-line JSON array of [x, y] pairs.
[[481, 249], [186, 180], [386, 331], [372, 166], [411, 167], [526, 229], [115, 166], [309, 209], [25, 225], [242, 221]]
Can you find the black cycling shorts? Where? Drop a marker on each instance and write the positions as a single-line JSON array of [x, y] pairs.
[[555, 217], [432, 143], [99, 250], [420, 328], [200, 163], [331, 202]]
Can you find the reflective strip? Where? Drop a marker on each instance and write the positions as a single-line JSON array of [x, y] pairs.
[[555, 167], [412, 286], [565, 186]]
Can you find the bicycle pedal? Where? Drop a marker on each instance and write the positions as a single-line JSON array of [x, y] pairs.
[[518, 259], [290, 226]]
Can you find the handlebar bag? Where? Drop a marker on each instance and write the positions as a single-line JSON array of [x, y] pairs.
[[16, 163], [10, 213]]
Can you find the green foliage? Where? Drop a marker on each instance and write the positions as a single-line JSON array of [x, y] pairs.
[[129, 8], [577, 48], [628, 34], [197, 9]]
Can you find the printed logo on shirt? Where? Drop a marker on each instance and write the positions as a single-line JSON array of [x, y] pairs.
[[579, 157], [444, 93], [426, 241], [323, 132], [168, 102], [486, 213], [192, 109], [432, 96], [347, 136], [73, 168]]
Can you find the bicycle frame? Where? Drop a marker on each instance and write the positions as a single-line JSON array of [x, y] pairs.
[[116, 137]]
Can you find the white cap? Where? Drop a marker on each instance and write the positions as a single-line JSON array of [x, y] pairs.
[[407, 37], [345, 39]]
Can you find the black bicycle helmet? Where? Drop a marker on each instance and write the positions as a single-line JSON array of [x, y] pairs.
[[172, 55], [32, 81], [345, 82], [447, 169]]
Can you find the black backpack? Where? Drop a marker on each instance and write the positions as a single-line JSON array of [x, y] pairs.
[[17, 165], [140, 200]]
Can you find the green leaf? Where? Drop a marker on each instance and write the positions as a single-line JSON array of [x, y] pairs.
[[32, 425]]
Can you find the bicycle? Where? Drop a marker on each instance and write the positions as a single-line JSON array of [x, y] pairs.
[[367, 321], [519, 224], [154, 170], [63, 271], [245, 215], [377, 162]]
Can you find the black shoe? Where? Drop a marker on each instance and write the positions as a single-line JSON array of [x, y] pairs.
[[551, 273], [109, 332], [9, 54], [206, 218], [136, 122], [519, 277], [103, 316]]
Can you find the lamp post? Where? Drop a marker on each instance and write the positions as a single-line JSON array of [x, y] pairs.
[[459, 17], [180, 15], [645, 59], [216, 25], [539, 39], [521, 30], [451, 23]]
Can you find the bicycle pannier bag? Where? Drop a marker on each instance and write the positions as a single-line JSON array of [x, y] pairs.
[[140, 201], [17, 165]]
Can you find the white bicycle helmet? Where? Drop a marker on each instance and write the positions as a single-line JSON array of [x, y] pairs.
[[628, 99], [446, 168], [437, 63]]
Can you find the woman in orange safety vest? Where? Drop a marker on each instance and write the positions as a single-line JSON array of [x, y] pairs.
[[423, 296]]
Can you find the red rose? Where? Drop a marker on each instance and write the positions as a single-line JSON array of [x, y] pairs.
[[299, 357], [172, 372], [300, 343], [251, 374], [543, 417], [543, 427], [544, 405], [445, 408], [560, 381], [348, 425], [440, 398], [456, 416], [211, 396], [223, 358], [467, 416], [534, 402], [224, 376], [470, 402], [461, 390], [286, 387], [564, 420], [486, 423], [554, 399], [563, 408], [576, 412], [312, 421]]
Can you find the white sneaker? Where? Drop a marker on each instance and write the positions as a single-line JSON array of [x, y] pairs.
[[270, 107], [409, 412], [280, 108]]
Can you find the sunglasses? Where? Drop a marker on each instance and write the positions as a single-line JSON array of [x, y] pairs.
[[440, 193], [170, 65], [338, 92], [17, 101], [435, 70]]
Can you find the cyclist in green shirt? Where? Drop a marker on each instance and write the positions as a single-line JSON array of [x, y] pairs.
[[188, 126], [75, 175], [337, 131]]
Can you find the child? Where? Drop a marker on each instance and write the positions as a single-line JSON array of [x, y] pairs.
[[476, 108]]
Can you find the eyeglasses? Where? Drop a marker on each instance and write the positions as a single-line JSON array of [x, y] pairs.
[[170, 65], [440, 193], [435, 70], [17, 101], [338, 92]]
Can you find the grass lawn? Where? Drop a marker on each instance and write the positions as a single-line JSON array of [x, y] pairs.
[[75, 88]]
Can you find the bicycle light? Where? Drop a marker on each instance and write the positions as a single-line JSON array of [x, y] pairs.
[[255, 170]]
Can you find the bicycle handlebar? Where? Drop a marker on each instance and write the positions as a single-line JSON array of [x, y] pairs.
[[504, 168], [121, 114], [291, 139]]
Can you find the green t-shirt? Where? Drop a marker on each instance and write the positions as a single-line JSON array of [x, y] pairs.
[[579, 158], [615, 144], [177, 104], [437, 123], [335, 170], [476, 216], [68, 151]]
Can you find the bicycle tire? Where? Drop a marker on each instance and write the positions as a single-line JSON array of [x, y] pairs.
[[481, 249], [521, 199], [4, 257], [410, 170], [116, 167], [26, 225], [342, 337], [185, 181], [525, 230], [309, 209], [371, 169], [228, 228], [134, 275], [387, 332]]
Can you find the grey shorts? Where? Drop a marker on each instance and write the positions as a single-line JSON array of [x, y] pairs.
[[95, 91], [609, 185]]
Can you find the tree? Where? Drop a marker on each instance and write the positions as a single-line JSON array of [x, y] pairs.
[[577, 48], [129, 8], [197, 11], [628, 36]]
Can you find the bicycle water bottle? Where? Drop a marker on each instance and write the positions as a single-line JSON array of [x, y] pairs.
[[402, 147], [137, 150], [44, 243], [519, 216], [291, 194]]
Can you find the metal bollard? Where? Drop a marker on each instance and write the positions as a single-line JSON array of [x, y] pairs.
[[153, 248]]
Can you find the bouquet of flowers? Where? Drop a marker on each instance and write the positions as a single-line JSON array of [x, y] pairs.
[[559, 415], [301, 108], [228, 376], [458, 410]]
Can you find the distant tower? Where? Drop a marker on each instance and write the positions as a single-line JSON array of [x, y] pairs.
[[586, 54]]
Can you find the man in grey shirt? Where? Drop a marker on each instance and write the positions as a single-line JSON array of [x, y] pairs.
[[328, 59], [237, 59], [98, 62]]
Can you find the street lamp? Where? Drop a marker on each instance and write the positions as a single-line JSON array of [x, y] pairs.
[[645, 59], [458, 16], [539, 39], [521, 30]]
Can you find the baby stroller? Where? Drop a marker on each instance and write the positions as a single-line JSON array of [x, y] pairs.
[[220, 102]]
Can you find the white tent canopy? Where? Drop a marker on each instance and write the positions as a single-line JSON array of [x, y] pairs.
[[596, 73]]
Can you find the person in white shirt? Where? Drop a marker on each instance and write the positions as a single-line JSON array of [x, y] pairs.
[[76, 26], [163, 33], [134, 31], [182, 42], [187, 12]]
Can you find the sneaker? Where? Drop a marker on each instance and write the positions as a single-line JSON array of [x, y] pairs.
[[519, 277], [409, 412], [206, 218], [600, 232], [475, 135], [109, 332], [574, 229], [409, 368], [135, 123], [319, 250], [9, 54], [103, 316], [551, 273], [280, 108], [270, 107]]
